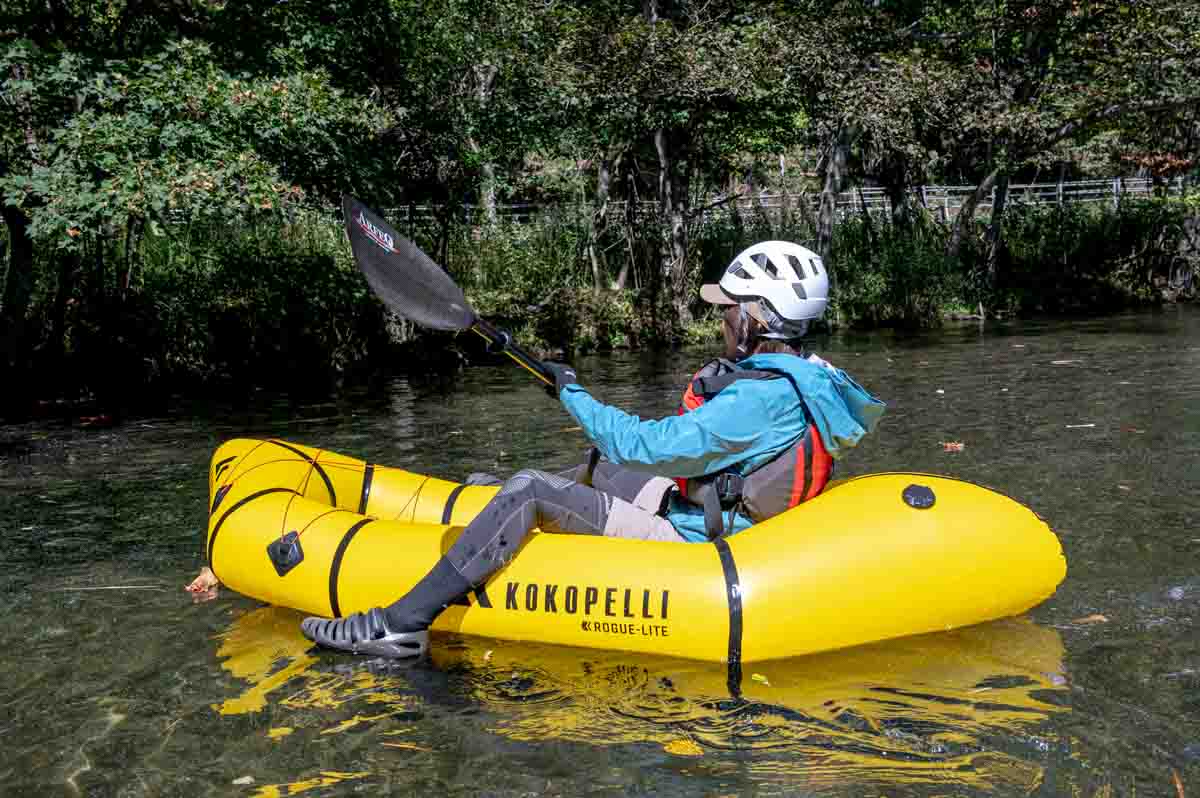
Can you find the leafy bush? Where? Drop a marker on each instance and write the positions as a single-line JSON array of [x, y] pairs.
[[255, 305], [894, 273], [1087, 258]]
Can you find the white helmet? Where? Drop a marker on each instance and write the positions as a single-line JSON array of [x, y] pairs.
[[785, 282]]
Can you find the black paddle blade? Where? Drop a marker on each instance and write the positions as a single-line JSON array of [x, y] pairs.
[[404, 277]]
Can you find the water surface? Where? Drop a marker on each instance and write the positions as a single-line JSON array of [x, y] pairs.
[[114, 682]]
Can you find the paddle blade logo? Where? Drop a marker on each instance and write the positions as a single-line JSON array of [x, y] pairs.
[[375, 234]]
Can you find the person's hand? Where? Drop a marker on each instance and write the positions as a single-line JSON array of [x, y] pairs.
[[564, 375]]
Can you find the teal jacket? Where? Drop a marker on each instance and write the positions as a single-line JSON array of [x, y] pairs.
[[742, 427]]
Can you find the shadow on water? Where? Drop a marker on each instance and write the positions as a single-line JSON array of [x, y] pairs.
[[918, 711]]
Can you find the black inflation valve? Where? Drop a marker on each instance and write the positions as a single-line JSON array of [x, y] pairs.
[[285, 553], [919, 497]]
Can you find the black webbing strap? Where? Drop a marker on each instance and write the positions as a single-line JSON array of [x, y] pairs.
[[593, 461], [725, 491], [714, 384], [714, 522]]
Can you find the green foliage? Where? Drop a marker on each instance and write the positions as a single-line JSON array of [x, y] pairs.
[[260, 303], [532, 279], [1077, 258], [521, 259], [268, 294], [172, 166], [1055, 259], [172, 135], [891, 273]]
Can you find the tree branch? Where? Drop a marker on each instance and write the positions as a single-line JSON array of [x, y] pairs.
[[1101, 114], [704, 209]]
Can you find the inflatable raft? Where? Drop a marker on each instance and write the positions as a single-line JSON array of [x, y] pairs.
[[872, 558]]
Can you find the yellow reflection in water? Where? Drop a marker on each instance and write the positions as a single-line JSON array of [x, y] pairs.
[[326, 778], [255, 643], [914, 710]]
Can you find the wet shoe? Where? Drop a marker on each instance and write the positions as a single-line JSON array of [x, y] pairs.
[[365, 633], [482, 478]]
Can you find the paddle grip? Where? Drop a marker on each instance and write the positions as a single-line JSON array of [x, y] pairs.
[[502, 339]]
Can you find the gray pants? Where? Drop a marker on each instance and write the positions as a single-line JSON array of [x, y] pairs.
[[556, 504]]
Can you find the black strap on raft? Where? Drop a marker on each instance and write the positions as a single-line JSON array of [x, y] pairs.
[[726, 492]]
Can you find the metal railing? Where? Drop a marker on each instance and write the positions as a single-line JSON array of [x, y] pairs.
[[943, 200]]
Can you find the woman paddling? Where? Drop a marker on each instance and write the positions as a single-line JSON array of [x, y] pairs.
[[754, 436]]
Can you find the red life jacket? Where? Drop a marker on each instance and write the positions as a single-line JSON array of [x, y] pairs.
[[795, 475]]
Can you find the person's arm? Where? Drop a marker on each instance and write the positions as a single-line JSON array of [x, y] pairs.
[[734, 426]]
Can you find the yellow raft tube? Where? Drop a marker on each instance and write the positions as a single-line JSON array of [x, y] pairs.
[[329, 535]]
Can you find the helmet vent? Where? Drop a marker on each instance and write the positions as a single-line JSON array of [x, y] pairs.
[[771, 269], [816, 265], [799, 289], [740, 272], [796, 265]]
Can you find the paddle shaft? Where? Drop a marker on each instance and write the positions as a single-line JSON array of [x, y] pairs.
[[497, 337]]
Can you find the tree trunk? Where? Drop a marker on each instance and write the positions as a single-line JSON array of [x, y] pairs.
[[132, 229], [485, 80], [600, 224], [487, 191], [896, 177], [673, 206], [785, 196], [631, 208], [831, 171], [868, 221], [25, 111], [966, 214], [18, 286], [56, 343], [996, 229]]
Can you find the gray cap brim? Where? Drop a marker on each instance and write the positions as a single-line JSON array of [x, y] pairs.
[[714, 294]]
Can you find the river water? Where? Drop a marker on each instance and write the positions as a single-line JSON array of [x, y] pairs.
[[113, 682]]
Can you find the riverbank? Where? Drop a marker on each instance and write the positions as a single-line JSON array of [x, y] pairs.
[[278, 303]]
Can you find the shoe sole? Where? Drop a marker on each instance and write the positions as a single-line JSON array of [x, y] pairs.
[[397, 645]]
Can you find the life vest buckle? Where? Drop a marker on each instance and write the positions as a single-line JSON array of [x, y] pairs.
[[728, 488]]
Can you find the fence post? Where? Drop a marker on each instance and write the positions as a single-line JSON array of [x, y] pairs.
[[1116, 187]]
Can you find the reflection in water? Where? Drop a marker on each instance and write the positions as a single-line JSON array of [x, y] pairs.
[[916, 710], [327, 778]]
